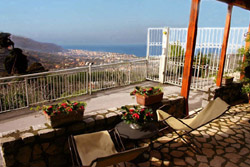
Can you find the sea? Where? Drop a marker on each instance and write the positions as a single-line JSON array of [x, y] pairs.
[[138, 50]]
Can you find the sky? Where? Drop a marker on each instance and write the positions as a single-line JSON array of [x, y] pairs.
[[106, 22]]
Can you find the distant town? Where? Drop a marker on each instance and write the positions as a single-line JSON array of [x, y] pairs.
[[79, 58]]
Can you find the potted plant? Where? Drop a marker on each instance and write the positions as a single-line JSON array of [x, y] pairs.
[[136, 116], [147, 95], [64, 113], [227, 80], [246, 89]]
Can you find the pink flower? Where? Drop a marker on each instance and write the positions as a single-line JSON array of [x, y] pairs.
[[75, 103], [142, 109], [82, 107]]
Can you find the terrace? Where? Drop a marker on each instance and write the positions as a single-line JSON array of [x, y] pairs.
[[27, 141]]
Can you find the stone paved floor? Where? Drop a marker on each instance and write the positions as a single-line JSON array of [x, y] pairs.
[[224, 142]]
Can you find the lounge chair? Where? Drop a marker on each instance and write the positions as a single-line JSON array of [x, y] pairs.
[[97, 149], [182, 127]]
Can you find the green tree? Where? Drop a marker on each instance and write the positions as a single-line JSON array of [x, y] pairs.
[[5, 40], [16, 62]]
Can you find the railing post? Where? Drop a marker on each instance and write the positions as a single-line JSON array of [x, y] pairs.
[[129, 74], [26, 91], [90, 79], [146, 71], [165, 42]]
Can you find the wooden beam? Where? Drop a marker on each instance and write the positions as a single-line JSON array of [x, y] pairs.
[[190, 48], [247, 46], [224, 45], [245, 4]]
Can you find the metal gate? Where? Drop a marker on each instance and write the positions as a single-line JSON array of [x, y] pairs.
[[206, 58]]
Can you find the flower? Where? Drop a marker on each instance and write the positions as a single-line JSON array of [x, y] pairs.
[[146, 91], [135, 114], [63, 108]]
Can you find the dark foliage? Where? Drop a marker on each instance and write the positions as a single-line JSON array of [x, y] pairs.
[[5, 41], [16, 62], [36, 68]]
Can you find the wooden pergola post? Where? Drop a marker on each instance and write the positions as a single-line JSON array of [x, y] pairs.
[[190, 48], [224, 45], [244, 58]]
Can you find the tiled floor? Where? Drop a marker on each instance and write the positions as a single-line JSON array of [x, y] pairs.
[[224, 142]]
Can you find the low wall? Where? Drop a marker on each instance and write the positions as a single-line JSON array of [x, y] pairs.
[[41, 145], [231, 94]]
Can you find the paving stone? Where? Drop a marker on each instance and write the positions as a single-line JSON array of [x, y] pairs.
[[155, 154], [242, 164], [201, 139], [230, 149], [208, 152], [218, 137], [177, 154], [190, 161], [244, 151], [165, 163], [236, 145], [219, 151], [203, 165], [207, 145], [164, 139], [179, 162], [247, 161], [230, 164], [201, 158], [223, 143], [217, 161], [222, 134], [233, 157]]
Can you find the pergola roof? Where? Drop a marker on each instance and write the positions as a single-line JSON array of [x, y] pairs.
[[245, 4]]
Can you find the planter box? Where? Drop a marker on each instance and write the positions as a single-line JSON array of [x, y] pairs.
[[63, 119], [148, 100], [227, 81]]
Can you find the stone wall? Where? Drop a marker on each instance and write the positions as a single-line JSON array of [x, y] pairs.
[[231, 94], [41, 145]]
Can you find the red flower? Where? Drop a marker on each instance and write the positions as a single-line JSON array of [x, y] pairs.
[[150, 89], [142, 109], [49, 107], [69, 109], [64, 105], [136, 116], [131, 110], [145, 94], [125, 114], [75, 103], [82, 107], [144, 90]]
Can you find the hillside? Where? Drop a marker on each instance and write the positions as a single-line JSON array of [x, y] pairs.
[[30, 44]]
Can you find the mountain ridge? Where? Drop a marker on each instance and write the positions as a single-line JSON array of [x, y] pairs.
[[33, 45]]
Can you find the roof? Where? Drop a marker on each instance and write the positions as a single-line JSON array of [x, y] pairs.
[[245, 4]]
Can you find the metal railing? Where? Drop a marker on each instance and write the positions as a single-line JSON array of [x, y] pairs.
[[18, 92], [206, 58]]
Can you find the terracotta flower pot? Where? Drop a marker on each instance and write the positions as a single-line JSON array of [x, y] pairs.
[[227, 81], [63, 119], [148, 100]]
